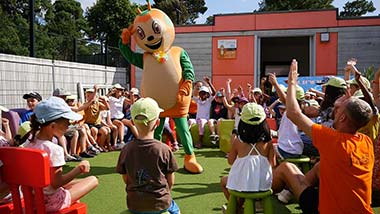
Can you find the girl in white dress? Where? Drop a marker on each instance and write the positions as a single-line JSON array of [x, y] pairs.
[[252, 156]]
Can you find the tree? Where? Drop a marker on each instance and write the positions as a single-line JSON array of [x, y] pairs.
[[274, 5], [14, 19], [357, 8], [108, 17], [65, 22], [182, 11], [210, 20]]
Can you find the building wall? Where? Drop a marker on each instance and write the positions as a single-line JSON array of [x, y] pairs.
[[20, 75], [358, 37]]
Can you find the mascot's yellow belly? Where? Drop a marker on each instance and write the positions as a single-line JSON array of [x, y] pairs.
[[160, 81]]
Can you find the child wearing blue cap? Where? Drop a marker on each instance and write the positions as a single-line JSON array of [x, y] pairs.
[[51, 118]]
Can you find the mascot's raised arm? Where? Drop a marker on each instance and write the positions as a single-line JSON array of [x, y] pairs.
[[167, 73]]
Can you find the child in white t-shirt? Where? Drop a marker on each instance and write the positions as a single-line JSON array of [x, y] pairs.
[[51, 118], [203, 109]]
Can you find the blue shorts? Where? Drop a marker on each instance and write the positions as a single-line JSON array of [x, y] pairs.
[[173, 209], [287, 154]]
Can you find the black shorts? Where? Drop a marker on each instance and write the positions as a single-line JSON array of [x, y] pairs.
[[309, 200], [98, 126]]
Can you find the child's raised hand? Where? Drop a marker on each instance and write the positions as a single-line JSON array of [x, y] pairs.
[[206, 79], [84, 166]]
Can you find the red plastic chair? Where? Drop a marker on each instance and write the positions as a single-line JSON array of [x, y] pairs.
[[30, 170]]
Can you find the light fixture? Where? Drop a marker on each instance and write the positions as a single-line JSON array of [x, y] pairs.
[[325, 37]]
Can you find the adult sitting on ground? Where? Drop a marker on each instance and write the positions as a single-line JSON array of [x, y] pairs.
[[346, 158]]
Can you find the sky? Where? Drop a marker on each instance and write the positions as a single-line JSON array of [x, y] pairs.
[[234, 6]]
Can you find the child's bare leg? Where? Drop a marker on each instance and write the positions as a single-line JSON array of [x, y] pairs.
[[74, 142], [131, 127], [223, 184], [120, 129], [80, 187]]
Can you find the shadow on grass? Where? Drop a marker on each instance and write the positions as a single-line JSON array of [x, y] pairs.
[[95, 170], [204, 153], [195, 189]]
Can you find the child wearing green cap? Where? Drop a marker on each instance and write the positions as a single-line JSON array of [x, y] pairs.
[[252, 156], [147, 166]]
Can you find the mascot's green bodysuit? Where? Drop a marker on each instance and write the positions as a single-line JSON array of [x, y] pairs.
[[167, 73]]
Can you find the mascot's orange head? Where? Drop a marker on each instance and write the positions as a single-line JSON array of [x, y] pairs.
[[153, 30]]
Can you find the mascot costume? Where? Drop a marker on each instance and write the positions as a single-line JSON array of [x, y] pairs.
[[167, 73]]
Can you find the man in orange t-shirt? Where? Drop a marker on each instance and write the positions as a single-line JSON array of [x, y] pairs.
[[346, 158]]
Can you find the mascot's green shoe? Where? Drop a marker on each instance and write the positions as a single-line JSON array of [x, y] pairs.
[[191, 164]]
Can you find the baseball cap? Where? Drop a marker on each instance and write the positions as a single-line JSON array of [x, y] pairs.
[[365, 81], [23, 129], [219, 94], [145, 110], [204, 89], [324, 80], [281, 106], [135, 91], [243, 99], [252, 114], [60, 92], [258, 90], [336, 82], [118, 86], [312, 102], [310, 93], [300, 93], [32, 94], [54, 108], [90, 90], [71, 97], [2, 108]]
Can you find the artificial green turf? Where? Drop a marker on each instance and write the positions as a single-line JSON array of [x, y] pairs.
[[194, 194]]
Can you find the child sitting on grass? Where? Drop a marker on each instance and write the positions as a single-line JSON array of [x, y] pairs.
[[147, 165], [51, 118]]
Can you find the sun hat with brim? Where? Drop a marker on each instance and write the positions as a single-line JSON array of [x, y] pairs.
[[145, 110], [252, 114], [204, 89], [32, 94], [365, 81], [54, 108], [60, 92], [336, 82], [118, 86], [4, 109]]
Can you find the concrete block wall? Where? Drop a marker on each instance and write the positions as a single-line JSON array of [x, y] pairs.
[[20, 75]]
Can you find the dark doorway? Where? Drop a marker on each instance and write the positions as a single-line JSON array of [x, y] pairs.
[[277, 53]]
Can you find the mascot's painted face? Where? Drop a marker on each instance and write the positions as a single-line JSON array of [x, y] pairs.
[[154, 31]]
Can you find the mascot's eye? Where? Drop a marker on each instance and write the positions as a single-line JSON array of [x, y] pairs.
[[140, 32], [156, 27]]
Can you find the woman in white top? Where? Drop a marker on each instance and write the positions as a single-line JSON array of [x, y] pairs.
[[252, 155]]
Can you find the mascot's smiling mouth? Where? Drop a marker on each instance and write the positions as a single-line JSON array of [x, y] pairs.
[[155, 45]]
